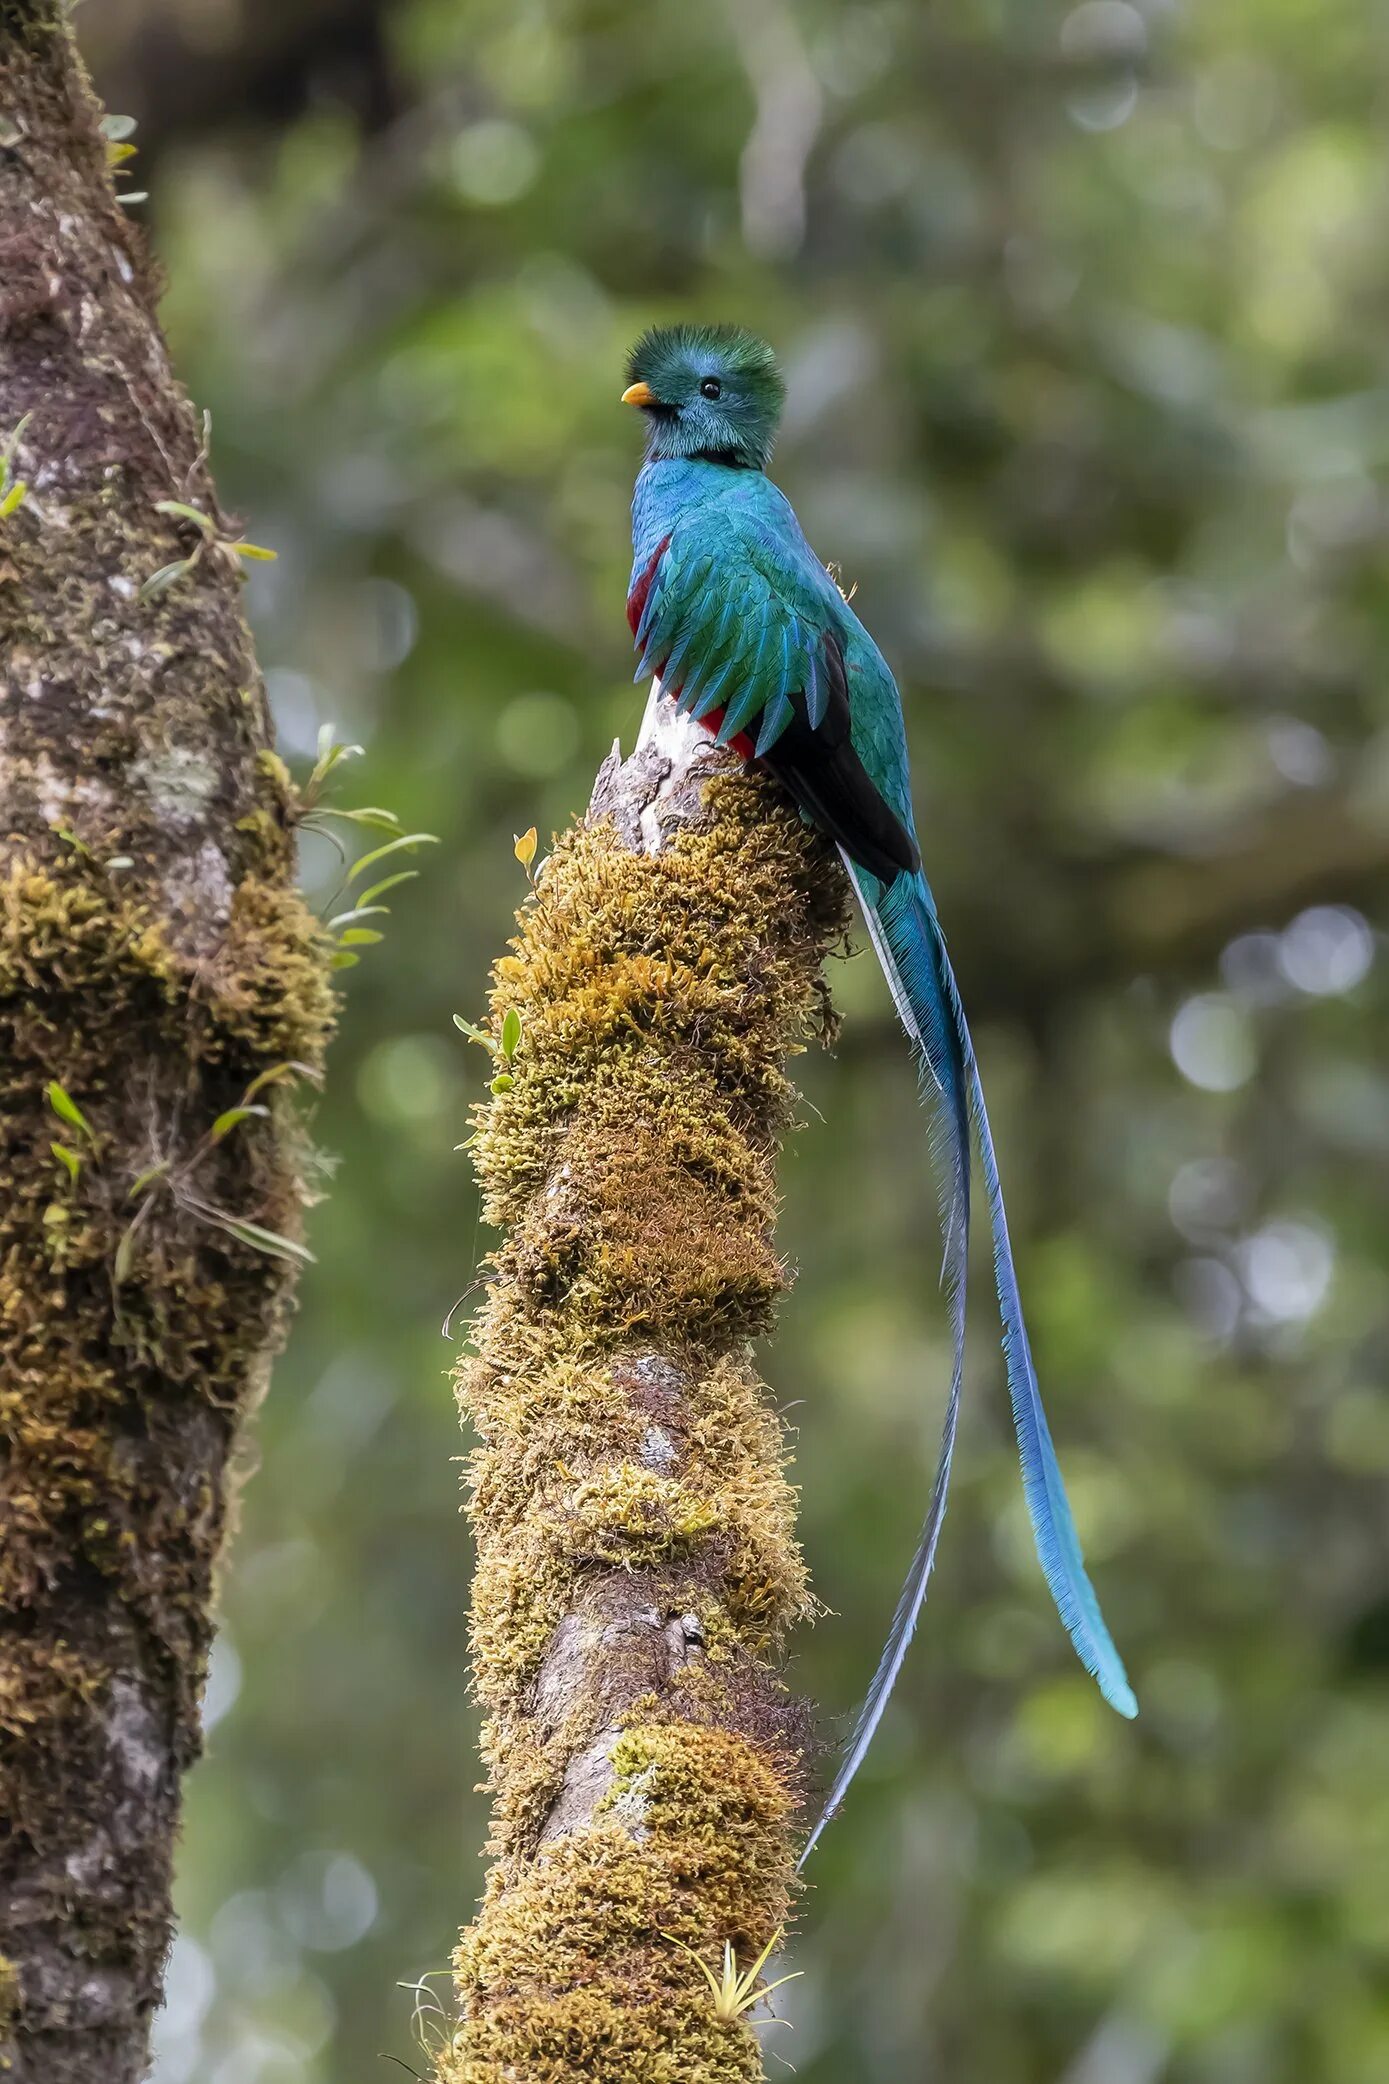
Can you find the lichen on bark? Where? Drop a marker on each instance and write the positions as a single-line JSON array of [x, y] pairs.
[[638, 1570], [155, 960]]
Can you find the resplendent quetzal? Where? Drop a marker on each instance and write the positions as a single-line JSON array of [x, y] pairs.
[[747, 631]]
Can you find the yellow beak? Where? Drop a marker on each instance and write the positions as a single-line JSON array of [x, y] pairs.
[[638, 394]]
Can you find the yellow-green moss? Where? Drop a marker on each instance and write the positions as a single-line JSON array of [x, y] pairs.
[[573, 1968], [10, 1997], [73, 933], [561, 1487], [151, 1044], [268, 993], [630, 1489], [643, 981]]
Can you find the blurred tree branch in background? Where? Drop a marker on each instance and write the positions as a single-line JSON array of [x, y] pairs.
[[161, 983], [1158, 912], [637, 1563], [183, 69]]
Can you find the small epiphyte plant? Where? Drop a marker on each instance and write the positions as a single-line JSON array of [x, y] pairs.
[[502, 1049], [178, 1178], [736, 1990], [118, 131], [431, 2023], [311, 813], [210, 538], [13, 489], [69, 1113], [113, 864]]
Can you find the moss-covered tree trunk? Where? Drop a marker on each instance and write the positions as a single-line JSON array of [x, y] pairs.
[[154, 961], [637, 1562]]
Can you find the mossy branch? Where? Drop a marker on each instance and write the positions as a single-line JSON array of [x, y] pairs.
[[158, 971], [637, 1563]]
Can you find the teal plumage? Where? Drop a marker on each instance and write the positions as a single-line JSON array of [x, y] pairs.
[[749, 634], [739, 601]]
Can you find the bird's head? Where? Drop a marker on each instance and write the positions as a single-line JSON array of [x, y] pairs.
[[710, 391]]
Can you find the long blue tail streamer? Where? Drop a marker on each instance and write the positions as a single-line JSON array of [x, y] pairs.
[[910, 948], [901, 923]]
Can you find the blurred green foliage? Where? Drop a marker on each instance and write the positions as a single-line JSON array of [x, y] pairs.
[[1084, 310]]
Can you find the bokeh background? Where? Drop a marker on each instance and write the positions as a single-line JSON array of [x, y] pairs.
[[1085, 310]]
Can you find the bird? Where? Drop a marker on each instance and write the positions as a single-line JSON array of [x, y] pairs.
[[749, 633]]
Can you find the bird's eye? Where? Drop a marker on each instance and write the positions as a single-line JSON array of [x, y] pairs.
[[710, 388]]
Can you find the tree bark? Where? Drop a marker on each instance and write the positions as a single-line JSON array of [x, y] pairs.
[[155, 960], [637, 1562]]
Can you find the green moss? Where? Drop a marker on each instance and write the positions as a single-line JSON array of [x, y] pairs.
[[625, 1510], [11, 1996], [267, 995], [70, 933], [152, 1043], [665, 991], [573, 1969], [629, 1464], [561, 1488]]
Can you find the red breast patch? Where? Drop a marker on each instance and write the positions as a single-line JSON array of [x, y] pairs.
[[636, 599]]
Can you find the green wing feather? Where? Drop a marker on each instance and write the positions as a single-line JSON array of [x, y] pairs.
[[736, 626]]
